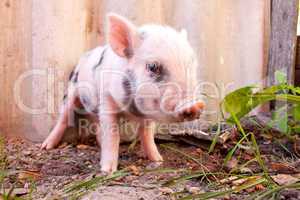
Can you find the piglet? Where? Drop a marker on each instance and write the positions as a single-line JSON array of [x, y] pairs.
[[145, 74]]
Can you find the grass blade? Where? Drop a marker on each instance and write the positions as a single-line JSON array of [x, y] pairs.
[[259, 159], [276, 190], [210, 195], [214, 142], [231, 152], [80, 188], [190, 158], [185, 177]]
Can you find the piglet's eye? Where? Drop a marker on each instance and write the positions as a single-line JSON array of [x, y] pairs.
[[154, 68]]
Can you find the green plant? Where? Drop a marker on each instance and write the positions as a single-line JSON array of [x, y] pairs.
[[286, 116], [5, 173], [235, 106]]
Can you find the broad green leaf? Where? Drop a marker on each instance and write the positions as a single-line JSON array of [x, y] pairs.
[[240, 102]]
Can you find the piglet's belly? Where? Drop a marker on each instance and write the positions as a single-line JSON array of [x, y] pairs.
[[88, 99], [128, 129]]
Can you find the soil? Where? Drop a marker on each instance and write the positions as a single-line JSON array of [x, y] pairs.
[[54, 169], [40, 174]]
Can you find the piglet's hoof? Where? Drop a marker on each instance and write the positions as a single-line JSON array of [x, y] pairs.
[[108, 168], [103, 173], [49, 144], [154, 165]]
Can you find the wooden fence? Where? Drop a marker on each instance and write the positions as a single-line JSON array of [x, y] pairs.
[[297, 65], [41, 41]]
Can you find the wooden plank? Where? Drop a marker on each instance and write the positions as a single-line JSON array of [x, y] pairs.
[[267, 30], [297, 81], [73, 27], [58, 32], [284, 18], [15, 58], [298, 53], [297, 67]]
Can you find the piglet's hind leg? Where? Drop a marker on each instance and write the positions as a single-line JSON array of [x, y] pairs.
[[58, 131]]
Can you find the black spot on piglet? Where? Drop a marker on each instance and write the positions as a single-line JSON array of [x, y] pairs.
[[100, 60], [71, 75], [75, 79]]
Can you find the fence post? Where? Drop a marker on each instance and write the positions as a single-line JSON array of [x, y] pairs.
[[283, 39]]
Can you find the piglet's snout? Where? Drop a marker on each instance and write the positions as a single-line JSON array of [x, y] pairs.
[[190, 111]]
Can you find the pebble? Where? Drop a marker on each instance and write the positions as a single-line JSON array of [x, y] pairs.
[[82, 146], [20, 191], [166, 190], [193, 190], [27, 153], [154, 165]]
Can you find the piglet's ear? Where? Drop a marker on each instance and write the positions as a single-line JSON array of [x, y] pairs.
[[122, 35]]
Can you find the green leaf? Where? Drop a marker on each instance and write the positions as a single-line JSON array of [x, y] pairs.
[[283, 124], [296, 113], [281, 77], [239, 102], [242, 101], [296, 129], [280, 119]]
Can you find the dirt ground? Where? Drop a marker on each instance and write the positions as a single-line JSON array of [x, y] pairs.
[[54, 169], [40, 174]]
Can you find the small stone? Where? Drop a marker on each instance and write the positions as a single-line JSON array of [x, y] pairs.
[[166, 190], [130, 178], [74, 177], [199, 151], [63, 145], [284, 179], [193, 190], [28, 175], [81, 154], [239, 181], [245, 170], [260, 187], [232, 164], [27, 153], [20, 191], [153, 165], [87, 162], [82, 146], [134, 170]]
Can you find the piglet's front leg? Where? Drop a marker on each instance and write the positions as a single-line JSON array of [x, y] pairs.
[[110, 137], [146, 132]]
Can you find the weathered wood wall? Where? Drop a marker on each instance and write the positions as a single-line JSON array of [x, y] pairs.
[[283, 37], [297, 66], [15, 59], [49, 36]]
